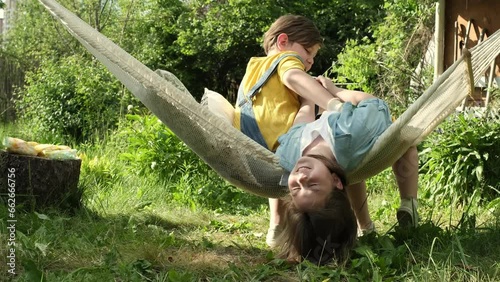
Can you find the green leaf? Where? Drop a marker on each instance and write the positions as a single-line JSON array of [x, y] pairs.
[[32, 271], [42, 248], [42, 216], [479, 173], [133, 117]]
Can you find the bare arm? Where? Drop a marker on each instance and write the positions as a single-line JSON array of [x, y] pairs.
[[306, 112], [343, 94], [307, 87]]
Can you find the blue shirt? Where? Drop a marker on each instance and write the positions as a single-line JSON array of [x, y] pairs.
[[354, 130]]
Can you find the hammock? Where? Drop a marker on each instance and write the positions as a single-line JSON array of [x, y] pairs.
[[240, 160]]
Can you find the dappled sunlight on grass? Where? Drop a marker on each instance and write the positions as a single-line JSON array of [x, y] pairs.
[[136, 226], [160, 238]]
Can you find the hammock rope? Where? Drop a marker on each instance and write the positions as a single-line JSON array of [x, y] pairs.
[[240, 160]]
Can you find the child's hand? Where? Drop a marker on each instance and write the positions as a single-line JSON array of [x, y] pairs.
[[327, 83]]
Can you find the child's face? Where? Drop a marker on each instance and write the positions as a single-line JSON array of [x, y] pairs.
[[310, 183], [307, 55]]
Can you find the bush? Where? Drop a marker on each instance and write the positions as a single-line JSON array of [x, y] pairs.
[[70, 99], [385, 63], [463, 157]]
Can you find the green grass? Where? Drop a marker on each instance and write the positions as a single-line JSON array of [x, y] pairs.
[[136, 227]]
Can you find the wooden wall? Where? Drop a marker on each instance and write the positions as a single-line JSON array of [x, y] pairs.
[[484, 16]]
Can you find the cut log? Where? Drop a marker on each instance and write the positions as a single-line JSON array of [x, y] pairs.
[[39, 182]]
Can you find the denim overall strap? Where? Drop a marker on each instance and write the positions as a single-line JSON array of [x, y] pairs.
[[242, 98], [248, 124]]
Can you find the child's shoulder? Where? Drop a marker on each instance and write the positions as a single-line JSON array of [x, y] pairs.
[[275, 56], [259, 65]]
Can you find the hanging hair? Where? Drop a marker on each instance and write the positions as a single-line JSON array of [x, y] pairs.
[[323, 234]]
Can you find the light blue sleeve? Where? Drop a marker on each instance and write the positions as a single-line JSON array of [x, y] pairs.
[[289, 149]]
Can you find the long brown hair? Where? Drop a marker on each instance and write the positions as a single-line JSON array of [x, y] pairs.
[[321, 235]]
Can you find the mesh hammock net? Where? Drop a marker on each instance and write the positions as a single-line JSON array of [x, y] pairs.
[[240, 160]]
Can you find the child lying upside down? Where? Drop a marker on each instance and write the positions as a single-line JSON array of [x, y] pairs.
[[319, 222]]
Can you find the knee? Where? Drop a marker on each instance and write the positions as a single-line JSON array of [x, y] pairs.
[[407, 164]]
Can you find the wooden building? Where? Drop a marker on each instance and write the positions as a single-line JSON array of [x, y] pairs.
[[465, 23], [1, 21]]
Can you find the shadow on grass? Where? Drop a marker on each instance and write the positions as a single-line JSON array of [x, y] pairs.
[[466, 248], [81, 243]]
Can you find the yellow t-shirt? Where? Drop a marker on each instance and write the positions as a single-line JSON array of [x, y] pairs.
[[275, 106]]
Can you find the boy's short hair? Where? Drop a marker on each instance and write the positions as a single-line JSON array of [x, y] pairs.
[[298, 28]]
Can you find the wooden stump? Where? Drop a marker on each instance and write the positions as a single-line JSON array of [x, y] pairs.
[[39, 182]]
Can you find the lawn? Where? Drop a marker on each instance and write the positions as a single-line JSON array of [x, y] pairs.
[[143, 226]]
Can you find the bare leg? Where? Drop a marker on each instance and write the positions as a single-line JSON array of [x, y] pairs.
[[276, 214], [358, 197], [406, 171], [275, 210]]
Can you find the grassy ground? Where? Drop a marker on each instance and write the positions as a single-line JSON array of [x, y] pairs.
[[133, 228]]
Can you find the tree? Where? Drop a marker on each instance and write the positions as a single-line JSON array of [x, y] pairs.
[[205, 43], [33, 36], [385, 63]]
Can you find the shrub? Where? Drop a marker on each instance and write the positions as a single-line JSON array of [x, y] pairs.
[[385, 63], [70, 99], [463, 157]]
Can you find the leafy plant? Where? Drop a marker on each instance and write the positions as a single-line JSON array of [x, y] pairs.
[[32, 37], [385, 62], [71, 99], [463, 157]]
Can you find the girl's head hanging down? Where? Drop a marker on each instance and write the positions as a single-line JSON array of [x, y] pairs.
[[312, 180], [319, 222]]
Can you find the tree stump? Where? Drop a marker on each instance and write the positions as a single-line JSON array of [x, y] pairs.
[[39, 182]]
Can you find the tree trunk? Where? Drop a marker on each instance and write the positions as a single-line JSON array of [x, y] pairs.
[[11, 76], [39, 182]]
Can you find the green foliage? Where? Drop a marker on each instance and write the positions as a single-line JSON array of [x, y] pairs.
[[98, 171], [152, 148], [67, 95], [338, 22], [148, 31], [229, 43], [70, 99], [463, 158], [33, 36], [385, 63], [357, 64]]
